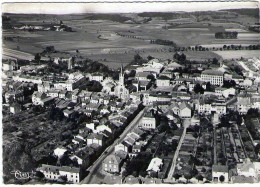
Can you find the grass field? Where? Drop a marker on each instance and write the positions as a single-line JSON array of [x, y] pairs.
[[238, 54], [97, 39]]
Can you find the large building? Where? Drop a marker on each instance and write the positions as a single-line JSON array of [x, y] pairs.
[[112, 164], [215, 77], [120, 90], [148, 121], [72, 174]]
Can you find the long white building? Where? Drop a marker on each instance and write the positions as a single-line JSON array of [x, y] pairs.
[[215, 77]]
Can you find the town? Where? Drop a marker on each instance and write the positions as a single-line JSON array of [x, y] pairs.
[[159, 122], [147, 98]]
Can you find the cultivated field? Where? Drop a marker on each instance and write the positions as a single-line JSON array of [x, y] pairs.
[[105, 39], [238, 54]]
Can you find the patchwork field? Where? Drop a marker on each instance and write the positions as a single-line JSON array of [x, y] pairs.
[[113, 40]]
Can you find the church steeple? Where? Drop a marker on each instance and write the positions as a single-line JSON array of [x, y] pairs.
[[122, 70], [121, 76], [121, 91]]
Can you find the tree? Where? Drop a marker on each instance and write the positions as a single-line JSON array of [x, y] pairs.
[[150, 58], [252, 113], [138, 60], [229, 83], [215, 61], [176, 176], [198, 89], [199, 177], [37, 57], [222, 178], [187, 176]]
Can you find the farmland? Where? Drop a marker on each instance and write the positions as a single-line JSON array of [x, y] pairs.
[[115, 39], [238, 54]]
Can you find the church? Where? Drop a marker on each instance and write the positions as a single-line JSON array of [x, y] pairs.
[[120, 90]]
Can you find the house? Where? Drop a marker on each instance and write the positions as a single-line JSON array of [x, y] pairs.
[[163, 81], [102, 127], [148, 121], [96, 77], [94, 99], [51, 172], [44, 87], [122, 147], [9, 65], [60, 151], [155, 165], [112, 164], [142, 76], [93, 107], [153, 66], [185, 110], [220, 173], [242, 179], [15, 108], [243, 103], [82, 158], [137, 148], [68, 113], [62, 94], [174, 65], [37, 98], [226, 92], [248, 169], [131, 180], [14, 95], [104, 109], [53, 93], [95, 139]]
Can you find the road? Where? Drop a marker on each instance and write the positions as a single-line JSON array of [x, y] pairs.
[[95, 166], [171, 172]]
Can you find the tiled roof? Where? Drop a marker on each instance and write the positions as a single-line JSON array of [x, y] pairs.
[[58, 168], [212, 72], [219, 168]]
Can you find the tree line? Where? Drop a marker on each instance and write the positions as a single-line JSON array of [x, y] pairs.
[[226, 35], [163, 42]]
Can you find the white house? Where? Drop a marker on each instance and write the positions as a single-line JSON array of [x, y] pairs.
[[215, 77], [59, 151], [95, 139], [51, 172], [121, 147], [185, 110], [220, 172], [163, 81], [155, 165], [148, 121]]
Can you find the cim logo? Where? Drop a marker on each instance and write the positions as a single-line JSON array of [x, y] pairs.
[[23, 175]]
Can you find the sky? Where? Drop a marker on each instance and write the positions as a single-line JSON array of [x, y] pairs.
[[78, 8]]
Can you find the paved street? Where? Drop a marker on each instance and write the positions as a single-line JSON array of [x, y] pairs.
[[94, 168], [171, 172]]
